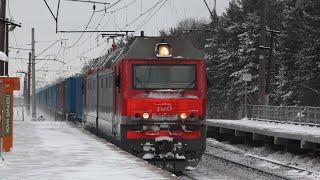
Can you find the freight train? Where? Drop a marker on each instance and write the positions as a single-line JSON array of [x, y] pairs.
[[148, 97]]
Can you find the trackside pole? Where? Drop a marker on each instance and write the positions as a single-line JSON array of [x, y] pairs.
[[245, 100], [34, 108], [1, 120]]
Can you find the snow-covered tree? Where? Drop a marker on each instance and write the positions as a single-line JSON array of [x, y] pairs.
[[299, 80], [230, 53]]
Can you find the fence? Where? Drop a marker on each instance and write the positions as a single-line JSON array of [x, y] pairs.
[[217, 112], [288, 114]]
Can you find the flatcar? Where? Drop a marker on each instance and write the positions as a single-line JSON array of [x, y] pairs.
[[150, 98]]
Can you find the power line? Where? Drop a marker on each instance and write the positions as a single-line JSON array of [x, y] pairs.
[[15, 40], [57, 54], [18, 48], [113, 11], [209, 9], [41, 59], [99, 23], [94, 2], [102, 31], [142, 24], [82, 32], [115, 22], [90, 49], [113, 4], [142, 14], [105, 9], [49, 47], [124, 6], [91, 34]]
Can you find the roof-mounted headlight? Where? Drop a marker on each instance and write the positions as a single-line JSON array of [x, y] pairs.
[[163, 50]]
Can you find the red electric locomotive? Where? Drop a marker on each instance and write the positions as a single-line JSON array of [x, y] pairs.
[[150, 99]]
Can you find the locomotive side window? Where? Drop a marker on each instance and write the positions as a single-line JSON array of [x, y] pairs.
[[164, 77]]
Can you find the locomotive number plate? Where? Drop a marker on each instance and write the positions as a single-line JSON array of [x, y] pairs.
[[164, 117]]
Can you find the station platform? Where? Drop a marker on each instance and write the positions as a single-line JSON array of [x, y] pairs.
[[280, 133], [59, 150]]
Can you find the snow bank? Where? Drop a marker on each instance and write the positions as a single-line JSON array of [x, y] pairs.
[[58, 150], [274, 127]]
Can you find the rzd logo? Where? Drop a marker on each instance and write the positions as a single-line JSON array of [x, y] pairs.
[[164, 108]]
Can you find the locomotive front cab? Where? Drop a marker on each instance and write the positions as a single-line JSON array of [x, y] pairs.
[[161, 102], [166, 91], [165, 108]]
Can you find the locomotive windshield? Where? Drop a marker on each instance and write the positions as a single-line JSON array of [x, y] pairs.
[[164, 76]]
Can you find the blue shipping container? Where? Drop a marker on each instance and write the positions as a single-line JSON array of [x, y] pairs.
[[79, 96], [70, 95], [54, 96]]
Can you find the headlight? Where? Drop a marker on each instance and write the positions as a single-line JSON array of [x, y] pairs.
[[145, 116], [183, 116], [163, 50]]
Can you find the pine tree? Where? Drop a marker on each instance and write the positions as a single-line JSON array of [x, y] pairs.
[[233, 52], [299, 81]]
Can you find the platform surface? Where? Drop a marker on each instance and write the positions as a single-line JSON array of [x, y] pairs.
[[59, 150], [288, 131]]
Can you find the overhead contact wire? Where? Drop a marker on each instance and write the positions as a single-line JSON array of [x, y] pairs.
[[143, 23], [80, 37], [113, 11], [142, 14]]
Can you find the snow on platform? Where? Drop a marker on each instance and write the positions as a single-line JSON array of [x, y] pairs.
[[58, 150], [303, 133]]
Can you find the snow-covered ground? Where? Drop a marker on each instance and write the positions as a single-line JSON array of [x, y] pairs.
[[307, 161], [58, 150], [216, 169]]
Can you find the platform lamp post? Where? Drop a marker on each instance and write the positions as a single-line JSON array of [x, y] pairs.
[[246, 77]]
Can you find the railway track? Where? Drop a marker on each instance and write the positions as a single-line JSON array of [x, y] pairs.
[[187, 177], [246, 166], [252, 162], [228, 169]]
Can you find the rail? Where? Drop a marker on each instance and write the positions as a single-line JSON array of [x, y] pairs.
[[286, 114]]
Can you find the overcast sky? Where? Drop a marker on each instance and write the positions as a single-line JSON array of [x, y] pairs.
[[75, 16]]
